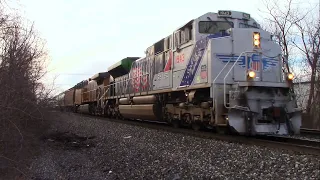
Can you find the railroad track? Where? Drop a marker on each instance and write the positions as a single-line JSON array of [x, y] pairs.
[[294, 144], [278, 142], [310, 131]]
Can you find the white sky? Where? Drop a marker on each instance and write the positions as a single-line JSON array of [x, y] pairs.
[[86, 37]]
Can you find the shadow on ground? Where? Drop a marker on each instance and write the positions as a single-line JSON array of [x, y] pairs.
[[68, 141]]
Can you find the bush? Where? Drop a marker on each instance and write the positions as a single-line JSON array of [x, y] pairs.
[[22, 95]]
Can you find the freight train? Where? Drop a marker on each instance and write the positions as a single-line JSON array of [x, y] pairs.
[[220, 70]]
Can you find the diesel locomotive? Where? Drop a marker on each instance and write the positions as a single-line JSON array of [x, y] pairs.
[[220, 70]]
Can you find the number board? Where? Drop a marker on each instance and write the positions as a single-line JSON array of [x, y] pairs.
[[246, 16], [224, 13]]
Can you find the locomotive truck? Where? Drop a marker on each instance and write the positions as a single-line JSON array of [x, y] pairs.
[[220, 70]]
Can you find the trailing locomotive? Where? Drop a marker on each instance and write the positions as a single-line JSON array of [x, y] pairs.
[[220, 70]]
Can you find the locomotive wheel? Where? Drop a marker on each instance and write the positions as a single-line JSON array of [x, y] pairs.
[[196, 126], [175, 123], [221, 130]]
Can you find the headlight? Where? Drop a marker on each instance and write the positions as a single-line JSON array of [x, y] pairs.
[[251, 74], [256, 40], [256, 35], [290, 76]]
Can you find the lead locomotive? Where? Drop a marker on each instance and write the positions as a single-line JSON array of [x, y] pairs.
[[220, 70]]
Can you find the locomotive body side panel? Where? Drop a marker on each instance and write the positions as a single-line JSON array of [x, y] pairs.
[[162, 80], [140, 75], [92, 87], [203, 71], [181, 57], [77, 99], [69, 97], [85, 94], [121, 85]]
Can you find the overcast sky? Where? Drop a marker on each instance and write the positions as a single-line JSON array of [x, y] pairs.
[[85, 37]]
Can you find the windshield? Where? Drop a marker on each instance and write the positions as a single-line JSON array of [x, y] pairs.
[[212, 27], [243, 25]]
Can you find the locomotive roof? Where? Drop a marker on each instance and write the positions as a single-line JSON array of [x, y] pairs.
[[224, 14], [100, 75]]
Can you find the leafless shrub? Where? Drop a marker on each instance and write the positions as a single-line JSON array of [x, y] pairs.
[[23, 96]]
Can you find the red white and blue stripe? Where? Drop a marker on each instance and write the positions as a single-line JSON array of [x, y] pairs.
[[195, 59]]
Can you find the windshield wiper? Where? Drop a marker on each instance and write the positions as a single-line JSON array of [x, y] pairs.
[[207, 29], [210, 25], [230, 23]]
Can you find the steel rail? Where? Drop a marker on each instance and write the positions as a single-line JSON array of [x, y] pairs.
[[310, 131]]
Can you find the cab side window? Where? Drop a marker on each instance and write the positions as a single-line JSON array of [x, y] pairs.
[[183, 35]]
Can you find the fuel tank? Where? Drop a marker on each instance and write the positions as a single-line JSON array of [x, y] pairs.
[[151, 99], [141, 111], [84, 109], [124, 101]]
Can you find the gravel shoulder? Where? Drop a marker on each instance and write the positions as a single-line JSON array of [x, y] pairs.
[[78, 147]]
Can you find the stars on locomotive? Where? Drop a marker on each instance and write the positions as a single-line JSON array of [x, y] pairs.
[[194, 62]]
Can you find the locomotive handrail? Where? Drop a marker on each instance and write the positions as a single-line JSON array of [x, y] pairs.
[[213, 83], [224, 79], [100, 101], [104, 93]]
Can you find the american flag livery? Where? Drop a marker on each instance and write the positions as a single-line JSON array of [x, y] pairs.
[[254, 65], [169, 62], [196, 57], [136, 73], [253, 61], [138, 80], [203, 73]]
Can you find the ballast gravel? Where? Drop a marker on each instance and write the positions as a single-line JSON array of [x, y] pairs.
[[88, 148]]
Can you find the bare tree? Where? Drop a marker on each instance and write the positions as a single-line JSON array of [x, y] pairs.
[[278, 22], [308, 35], [297, 32], [22, 66]]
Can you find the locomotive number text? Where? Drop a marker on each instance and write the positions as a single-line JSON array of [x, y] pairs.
[[180, 58]]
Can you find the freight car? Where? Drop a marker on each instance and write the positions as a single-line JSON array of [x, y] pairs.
[[220, 70]]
